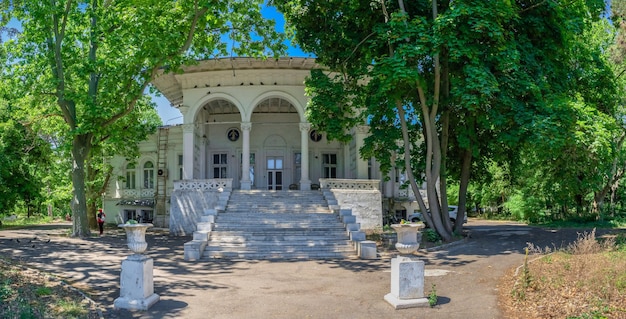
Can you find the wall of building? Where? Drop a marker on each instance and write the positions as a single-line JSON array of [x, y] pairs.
[[365, 205], [186, 208]]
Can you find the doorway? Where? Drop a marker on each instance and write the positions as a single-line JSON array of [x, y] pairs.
[[274, 172]]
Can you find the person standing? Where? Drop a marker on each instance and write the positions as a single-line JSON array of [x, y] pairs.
[[101, 217]]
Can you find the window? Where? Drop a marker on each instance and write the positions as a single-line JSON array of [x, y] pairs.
[[180, 166], [140, 215], [148, 175], [130, 176], [329, 165], [220, 165], [147, 215], [130, 214]]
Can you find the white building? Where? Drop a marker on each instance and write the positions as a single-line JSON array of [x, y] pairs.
[[244, 128]]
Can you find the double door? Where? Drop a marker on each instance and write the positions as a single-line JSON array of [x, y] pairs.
[[274, 172]]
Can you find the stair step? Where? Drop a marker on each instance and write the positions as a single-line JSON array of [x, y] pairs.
[[260, 224]]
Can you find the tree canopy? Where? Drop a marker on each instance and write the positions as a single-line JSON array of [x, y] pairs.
[[89, 63], [458, 82]]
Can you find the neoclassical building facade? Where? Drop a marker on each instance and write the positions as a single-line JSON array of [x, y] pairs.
[[244, 121]]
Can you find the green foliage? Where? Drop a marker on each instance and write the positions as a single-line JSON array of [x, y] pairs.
[[79, 71], [431, 235], [432, 296], [516, 85], [43, 291], [5, 290]]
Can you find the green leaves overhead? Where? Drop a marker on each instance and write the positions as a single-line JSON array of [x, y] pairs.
[[90, 63], [471, 77]]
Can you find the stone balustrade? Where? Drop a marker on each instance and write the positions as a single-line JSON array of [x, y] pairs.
[[354, 184], [204, 184], [137, 193]]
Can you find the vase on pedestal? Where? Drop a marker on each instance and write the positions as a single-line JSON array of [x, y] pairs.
[[136, 237], [136, 278], [407, 272], [409, 237]]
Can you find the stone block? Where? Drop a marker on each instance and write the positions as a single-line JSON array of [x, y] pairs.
[[194, 249], [205, 226], [220, 208], [357, 236], [207, 218], [345, 212], [332, 202], [136, 284], [352, 227], [201, 235], [366, 249], [348, 219], [407, 278], [210, 211]]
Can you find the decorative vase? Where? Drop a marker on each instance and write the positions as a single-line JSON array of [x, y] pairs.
[[409, 237], [136, 236]]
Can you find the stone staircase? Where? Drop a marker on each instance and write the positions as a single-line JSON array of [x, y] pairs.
[[258, 224]]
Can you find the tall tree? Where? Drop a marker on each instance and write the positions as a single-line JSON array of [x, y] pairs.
[[93, 60], [411, 69]]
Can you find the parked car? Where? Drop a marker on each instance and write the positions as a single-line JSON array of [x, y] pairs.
[[452, 212]]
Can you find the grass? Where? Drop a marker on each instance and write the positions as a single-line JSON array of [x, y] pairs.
[[584, 280], [27, 293], [25, 221]]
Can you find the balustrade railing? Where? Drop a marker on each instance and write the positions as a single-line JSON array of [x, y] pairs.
[[356, 184], [204, 184], [137, 193]]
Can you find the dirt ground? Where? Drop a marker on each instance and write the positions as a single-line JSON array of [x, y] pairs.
[[465, 276]]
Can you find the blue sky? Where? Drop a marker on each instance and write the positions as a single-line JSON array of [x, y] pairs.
[[170, 115]]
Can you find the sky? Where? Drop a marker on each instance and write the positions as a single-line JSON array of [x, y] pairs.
[[171, 115]]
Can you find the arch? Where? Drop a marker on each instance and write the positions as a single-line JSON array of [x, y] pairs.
[[203, 101], [274, 141], [279, 94]]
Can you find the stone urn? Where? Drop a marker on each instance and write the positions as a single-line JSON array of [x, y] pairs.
[[136, 236], [409, 237]]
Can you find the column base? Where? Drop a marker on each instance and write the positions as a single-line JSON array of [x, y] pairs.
[[245, 185], [305, 185], [136, 304], [398, 303]]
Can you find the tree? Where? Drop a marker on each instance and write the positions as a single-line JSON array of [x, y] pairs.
[[93, 61], [412, 69]]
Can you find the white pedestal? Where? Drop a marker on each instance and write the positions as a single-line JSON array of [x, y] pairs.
[[136, 284], [407, 283]]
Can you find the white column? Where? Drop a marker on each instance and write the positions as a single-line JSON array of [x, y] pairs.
[[188, 140], [245, 181], [361, 164], [305, 182]]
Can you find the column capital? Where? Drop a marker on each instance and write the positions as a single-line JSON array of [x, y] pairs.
[[183, 109], [246, 126], [362, 129], [305, 127], [189, 128]]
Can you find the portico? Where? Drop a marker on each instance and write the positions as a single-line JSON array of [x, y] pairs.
[[245, 119]]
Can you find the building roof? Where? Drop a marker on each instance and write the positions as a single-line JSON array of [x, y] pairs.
[[136, 202], [223, 72]]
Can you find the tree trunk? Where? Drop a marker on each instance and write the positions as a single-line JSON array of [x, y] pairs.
[[80, 222]]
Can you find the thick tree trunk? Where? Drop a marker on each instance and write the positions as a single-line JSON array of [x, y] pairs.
[[80, 149]]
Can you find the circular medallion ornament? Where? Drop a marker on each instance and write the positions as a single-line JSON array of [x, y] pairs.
[[233, 134], [315, 136]]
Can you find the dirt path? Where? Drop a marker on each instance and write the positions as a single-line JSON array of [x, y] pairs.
[[465, 276]]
